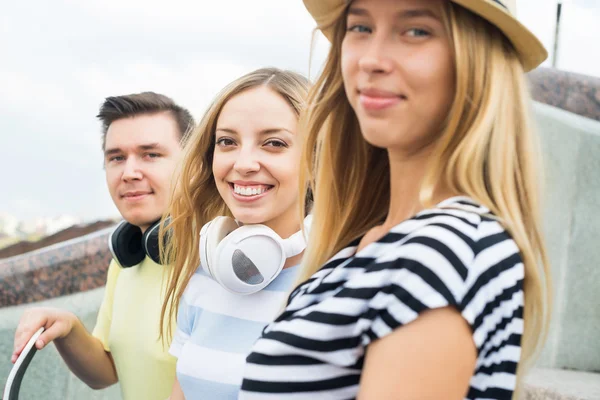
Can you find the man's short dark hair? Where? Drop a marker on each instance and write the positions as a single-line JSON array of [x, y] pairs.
[[131, 105]]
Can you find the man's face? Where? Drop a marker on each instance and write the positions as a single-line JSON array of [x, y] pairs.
[[140, 156]]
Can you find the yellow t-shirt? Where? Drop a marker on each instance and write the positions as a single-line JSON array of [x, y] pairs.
[[128, 327]]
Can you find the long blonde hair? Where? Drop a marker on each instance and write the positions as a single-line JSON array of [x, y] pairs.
[[487, 151], [196, 200]]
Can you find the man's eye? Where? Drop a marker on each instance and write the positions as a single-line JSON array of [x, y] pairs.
[[116, 158]]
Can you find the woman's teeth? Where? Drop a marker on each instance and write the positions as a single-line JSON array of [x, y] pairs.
[[250, 190]]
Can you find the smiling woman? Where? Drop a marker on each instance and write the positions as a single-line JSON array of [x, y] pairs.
[[423, 97], [242, 161], [256, 159]]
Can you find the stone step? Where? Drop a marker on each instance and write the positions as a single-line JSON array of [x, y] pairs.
[[557, 384]]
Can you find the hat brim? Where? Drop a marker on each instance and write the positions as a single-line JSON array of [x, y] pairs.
[[529, 48]]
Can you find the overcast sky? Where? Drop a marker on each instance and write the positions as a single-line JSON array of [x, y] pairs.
[[61, 58]]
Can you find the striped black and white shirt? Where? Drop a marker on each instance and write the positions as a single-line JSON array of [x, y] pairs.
[[455, 254]]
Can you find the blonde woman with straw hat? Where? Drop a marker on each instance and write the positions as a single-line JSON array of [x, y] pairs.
[[425, 275]]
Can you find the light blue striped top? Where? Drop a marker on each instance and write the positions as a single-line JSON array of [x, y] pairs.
[[216, 330]]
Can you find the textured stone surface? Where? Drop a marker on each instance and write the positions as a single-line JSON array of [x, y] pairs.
[[70, 267], [64, 235], [573, 92], [555, 384]]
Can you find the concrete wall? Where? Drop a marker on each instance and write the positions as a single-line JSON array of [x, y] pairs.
[[47, 376], [571, 148]]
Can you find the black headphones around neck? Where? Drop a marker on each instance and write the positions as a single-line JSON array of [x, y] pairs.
[[129, 246]]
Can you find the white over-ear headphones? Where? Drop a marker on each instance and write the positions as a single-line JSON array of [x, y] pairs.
[[245, 259]]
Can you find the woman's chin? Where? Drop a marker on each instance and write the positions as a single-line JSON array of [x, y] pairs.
[[249, 218], [377, 137]]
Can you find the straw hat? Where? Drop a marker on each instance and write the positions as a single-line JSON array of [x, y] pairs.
[[501, 13]]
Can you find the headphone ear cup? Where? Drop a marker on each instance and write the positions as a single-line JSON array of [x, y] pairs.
[[150, 242], [249, 259], [125, 244], [211, 235]]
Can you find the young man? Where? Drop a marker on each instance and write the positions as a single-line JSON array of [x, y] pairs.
[[142, 139]]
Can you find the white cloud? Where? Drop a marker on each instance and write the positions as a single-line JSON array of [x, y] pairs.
[[24, 93], [192, 84], [25, 205], [579, 39], [539, 16], [578, 31]]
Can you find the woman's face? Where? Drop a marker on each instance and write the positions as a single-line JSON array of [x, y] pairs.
[[398, 71], [256, 159]]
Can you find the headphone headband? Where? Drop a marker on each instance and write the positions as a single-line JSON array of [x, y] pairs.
[[296, 243]]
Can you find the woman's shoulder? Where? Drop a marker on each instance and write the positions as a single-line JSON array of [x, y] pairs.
[[456, 219], [466, 213], [454, 242], [459, 223]]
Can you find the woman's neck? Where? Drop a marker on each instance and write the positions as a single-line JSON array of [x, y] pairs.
[[285, 226], [406, 176], [292, 261]]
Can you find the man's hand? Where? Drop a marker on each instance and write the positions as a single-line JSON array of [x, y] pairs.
[[57, 324], [83, 353]]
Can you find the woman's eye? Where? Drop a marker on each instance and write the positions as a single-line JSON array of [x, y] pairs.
[[359, 28], [152, 155], [225, 142], [416, 32], [276, 143]]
